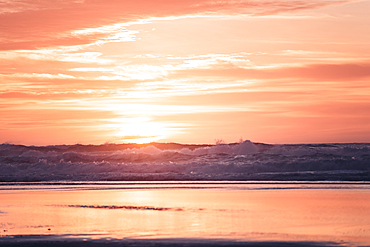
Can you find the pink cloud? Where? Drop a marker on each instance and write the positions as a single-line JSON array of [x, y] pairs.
[[316, 72], [32, 24], [43, 96], [330, 72]]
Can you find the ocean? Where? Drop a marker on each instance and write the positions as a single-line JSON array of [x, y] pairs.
[[168, 194], [244, 161]]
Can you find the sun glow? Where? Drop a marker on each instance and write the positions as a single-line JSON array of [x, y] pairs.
[[140, 130]]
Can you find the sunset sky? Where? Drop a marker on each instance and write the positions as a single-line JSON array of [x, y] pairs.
[[188, 71]]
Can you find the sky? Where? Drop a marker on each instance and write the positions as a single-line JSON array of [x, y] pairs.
[[187, 71]]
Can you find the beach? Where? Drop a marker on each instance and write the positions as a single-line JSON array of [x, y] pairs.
[[184, 123], [191, 214]]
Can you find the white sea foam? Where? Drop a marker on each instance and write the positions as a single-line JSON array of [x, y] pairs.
[[237, 161]]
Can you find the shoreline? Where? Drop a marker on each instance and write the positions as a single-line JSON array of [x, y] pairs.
[[153, 185], [85, 241]]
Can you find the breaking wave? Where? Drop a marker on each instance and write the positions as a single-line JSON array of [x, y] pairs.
[[171, 161]]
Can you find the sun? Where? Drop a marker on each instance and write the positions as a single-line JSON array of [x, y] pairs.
[[142, 123], [141, 130]]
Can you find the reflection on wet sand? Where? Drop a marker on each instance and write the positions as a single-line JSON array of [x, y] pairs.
[[294, 215]]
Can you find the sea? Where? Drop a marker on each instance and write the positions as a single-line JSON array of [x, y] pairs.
[[170, 194], [245, 161]]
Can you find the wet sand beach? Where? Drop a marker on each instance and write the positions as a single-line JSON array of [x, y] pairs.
[[172, 216]]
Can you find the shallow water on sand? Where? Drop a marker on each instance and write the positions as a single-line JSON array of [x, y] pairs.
[[243, 212]]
